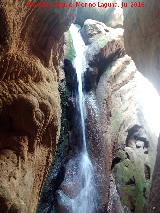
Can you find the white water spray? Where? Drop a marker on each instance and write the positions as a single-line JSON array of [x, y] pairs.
[[85, 202]]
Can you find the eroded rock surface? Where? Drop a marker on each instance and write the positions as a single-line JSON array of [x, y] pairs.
[[29, 100], [113, 75], [105, 46], [142, 29]]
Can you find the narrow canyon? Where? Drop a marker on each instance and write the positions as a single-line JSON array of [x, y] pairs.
[[79, 107]]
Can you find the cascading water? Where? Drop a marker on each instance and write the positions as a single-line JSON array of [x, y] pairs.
[[85, 201]]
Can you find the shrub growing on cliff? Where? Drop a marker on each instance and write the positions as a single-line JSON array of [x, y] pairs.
[[69, 52]]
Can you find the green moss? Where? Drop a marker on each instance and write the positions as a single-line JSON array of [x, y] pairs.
[[132, 194], [102, 41], [122, 155], [116, 120], [70, 51]]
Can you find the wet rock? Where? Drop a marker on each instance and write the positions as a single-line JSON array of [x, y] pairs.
[[69, 145], [70, 75], [105, 46], [71, 186], [115, 205], [63, 203], [115, 86], [90, 79], [98, 145]]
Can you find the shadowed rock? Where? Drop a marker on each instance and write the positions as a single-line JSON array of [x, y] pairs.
[[30, 51]]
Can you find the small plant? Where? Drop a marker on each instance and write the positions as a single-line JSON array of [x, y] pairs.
[[69, 53]]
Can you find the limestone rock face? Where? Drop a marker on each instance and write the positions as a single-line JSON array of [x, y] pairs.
[[112, 86], [105, 46], [93, 30], [30, 48], [131, 160], [142, 33], [111, 16], [141, 36], [154, 205]]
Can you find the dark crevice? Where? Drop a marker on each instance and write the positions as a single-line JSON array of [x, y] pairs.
[[147, 172], [131, 182], [109, 54], [115, 161], [145, 193], [69, 141], [137, 133], [128, 157]]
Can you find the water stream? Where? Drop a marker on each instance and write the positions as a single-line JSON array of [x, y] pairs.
[[85, 201]]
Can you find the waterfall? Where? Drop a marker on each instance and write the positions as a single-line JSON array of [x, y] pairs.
[[80, 66], [85, 201]]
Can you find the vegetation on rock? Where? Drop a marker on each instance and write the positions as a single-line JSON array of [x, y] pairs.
[[69, 52]]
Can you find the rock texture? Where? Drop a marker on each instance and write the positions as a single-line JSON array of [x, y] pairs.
[[112, 17], [131, 159], [154, 205], [120, 144], [112, 81], [142, 31], [30, 48], [103, 48], [58, 190]]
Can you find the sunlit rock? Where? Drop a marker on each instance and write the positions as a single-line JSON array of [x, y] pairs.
[[104, 12], [120, 101], [141, 36]]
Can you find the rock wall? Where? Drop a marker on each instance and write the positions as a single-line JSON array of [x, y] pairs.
[[120, 142], [111, 16], [141, 36], [102, 49], [142, 30], [111, 77], [31, 41]]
